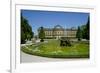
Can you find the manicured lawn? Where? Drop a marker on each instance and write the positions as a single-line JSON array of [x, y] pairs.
[[53, 49]]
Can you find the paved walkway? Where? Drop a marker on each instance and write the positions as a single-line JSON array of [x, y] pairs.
[[26, 58]]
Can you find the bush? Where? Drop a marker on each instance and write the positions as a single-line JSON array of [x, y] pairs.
[[42, 40], [65, 41]]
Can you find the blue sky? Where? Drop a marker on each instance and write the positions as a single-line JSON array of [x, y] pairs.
[[49, 19]]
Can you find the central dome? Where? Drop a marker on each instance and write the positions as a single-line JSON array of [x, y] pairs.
[[58, 27]]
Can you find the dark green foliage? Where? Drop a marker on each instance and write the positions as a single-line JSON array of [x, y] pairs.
[[78, 34], [26, 30], [85, 30], [65, 42], [41, 34], [23, 37]]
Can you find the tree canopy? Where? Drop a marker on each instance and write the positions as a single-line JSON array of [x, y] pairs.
[[41, 34], [78, 34], [26, 30], [83, 31]]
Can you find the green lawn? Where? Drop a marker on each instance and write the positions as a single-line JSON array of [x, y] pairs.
[[54, 50]]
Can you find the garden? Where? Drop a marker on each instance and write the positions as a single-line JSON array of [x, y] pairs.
[[52, 49]]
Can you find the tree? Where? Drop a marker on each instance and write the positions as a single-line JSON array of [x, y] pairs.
[[41, 34], [26, 30], [78, 34], [85, 30], [22, 37]]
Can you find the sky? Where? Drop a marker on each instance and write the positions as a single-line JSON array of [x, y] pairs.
[[49, 19]]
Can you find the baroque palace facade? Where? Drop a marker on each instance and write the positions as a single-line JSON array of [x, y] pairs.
[[58, 32]]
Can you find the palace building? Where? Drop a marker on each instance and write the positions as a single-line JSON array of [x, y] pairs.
[[58, 32]]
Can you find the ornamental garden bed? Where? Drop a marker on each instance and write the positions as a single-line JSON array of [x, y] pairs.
[[52, 49]]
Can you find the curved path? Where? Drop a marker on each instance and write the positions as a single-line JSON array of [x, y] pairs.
[[26, 58]]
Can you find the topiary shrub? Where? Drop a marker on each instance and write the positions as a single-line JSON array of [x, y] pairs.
[[65, 42], [42, 40]]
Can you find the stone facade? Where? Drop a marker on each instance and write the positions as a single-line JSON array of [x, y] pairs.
[[58, 31]]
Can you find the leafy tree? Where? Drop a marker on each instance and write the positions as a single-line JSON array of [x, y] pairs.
[[85, 30], [41, 34], [26, 30], [22, 37], [78, 34]]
